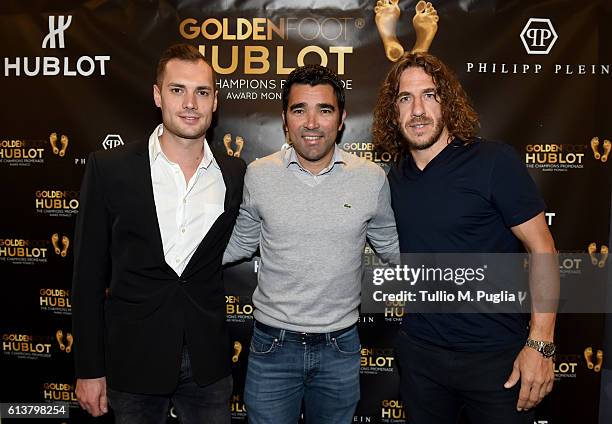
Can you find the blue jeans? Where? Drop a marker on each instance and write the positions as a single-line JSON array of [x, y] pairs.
[[286, 367], [194, 404]]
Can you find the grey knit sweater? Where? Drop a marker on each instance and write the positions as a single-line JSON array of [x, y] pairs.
[[311, 239]]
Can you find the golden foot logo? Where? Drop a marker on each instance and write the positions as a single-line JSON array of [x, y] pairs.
[[607, 146], [64, 347], [588, 356], [227, 142], [237, 351], [424, 22], [387, 14], [603, 250], [63, 144], [56, 246]]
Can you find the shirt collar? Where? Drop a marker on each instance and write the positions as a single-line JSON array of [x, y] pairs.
[[155, 150], [408, 165], [290, 159]]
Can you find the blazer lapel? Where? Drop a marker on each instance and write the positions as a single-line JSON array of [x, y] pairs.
[[230, 191], [142, 179]]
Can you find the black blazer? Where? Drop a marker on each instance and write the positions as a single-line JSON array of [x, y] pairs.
[[134, 333]]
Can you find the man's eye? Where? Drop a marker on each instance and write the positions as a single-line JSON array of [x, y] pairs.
[[430, 95], [176, 90], [326, 111], [297, 111], [203, 93], [403, 99]]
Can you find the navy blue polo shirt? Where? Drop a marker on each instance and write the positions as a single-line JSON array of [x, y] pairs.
[[464, 201]]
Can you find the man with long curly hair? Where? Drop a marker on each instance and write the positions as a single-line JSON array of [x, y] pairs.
[[453, 192]]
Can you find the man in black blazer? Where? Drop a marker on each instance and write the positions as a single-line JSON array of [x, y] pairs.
[[148, 299]]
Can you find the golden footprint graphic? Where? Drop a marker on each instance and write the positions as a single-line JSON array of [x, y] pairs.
[[387, 14], [54, 240], [64, 144], [227, 142], [65, 244], [591, 250], [607, 146], [69, 340], [59, 336], [588, 356], [595, 147], [599, 356], [425, 24], [237, 350], [239, 146], [604, 256], [53, 142]]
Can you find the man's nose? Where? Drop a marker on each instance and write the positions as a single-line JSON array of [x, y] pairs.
[[189, 101], [417, 107], [312, 120]]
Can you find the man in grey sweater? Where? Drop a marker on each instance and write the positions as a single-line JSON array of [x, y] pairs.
[[309, 208]]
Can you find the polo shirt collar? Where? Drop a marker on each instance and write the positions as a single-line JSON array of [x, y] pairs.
[[290, 159], [408, 165]]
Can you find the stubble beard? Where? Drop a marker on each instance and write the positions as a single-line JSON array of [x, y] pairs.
[[420, 145], [194, 134]]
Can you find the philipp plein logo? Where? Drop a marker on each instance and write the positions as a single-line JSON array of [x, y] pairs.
[[538, 36]]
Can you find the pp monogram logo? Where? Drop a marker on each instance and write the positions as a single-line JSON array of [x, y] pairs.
[[56, 32], [539, 36], [111, 141]]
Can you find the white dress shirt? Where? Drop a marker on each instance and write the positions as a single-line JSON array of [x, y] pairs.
[[185, 211]]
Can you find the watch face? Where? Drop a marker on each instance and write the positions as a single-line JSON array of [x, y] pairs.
[[548, 349]]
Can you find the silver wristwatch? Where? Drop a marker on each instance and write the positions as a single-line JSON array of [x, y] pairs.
[[547, 349]]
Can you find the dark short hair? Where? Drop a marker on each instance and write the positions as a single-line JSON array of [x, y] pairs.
[[314, 75], [181, 52]]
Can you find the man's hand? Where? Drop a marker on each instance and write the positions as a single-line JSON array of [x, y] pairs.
[[91, 393], [536, 374]]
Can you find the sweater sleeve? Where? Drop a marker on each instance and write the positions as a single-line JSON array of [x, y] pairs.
[[247, 231], [382, 232]]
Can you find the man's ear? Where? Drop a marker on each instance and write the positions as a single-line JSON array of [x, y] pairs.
[[157, 96]]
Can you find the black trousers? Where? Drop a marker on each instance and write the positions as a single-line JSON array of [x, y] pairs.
[[193, 404], [436, 384]]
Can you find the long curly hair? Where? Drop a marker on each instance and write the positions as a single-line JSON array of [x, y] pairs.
[[457, 112]]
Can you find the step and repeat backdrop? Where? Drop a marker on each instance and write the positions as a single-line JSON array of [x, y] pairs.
[[76, 77]]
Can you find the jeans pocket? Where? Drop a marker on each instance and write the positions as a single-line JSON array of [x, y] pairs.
[[347, 343], [262, 343]]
